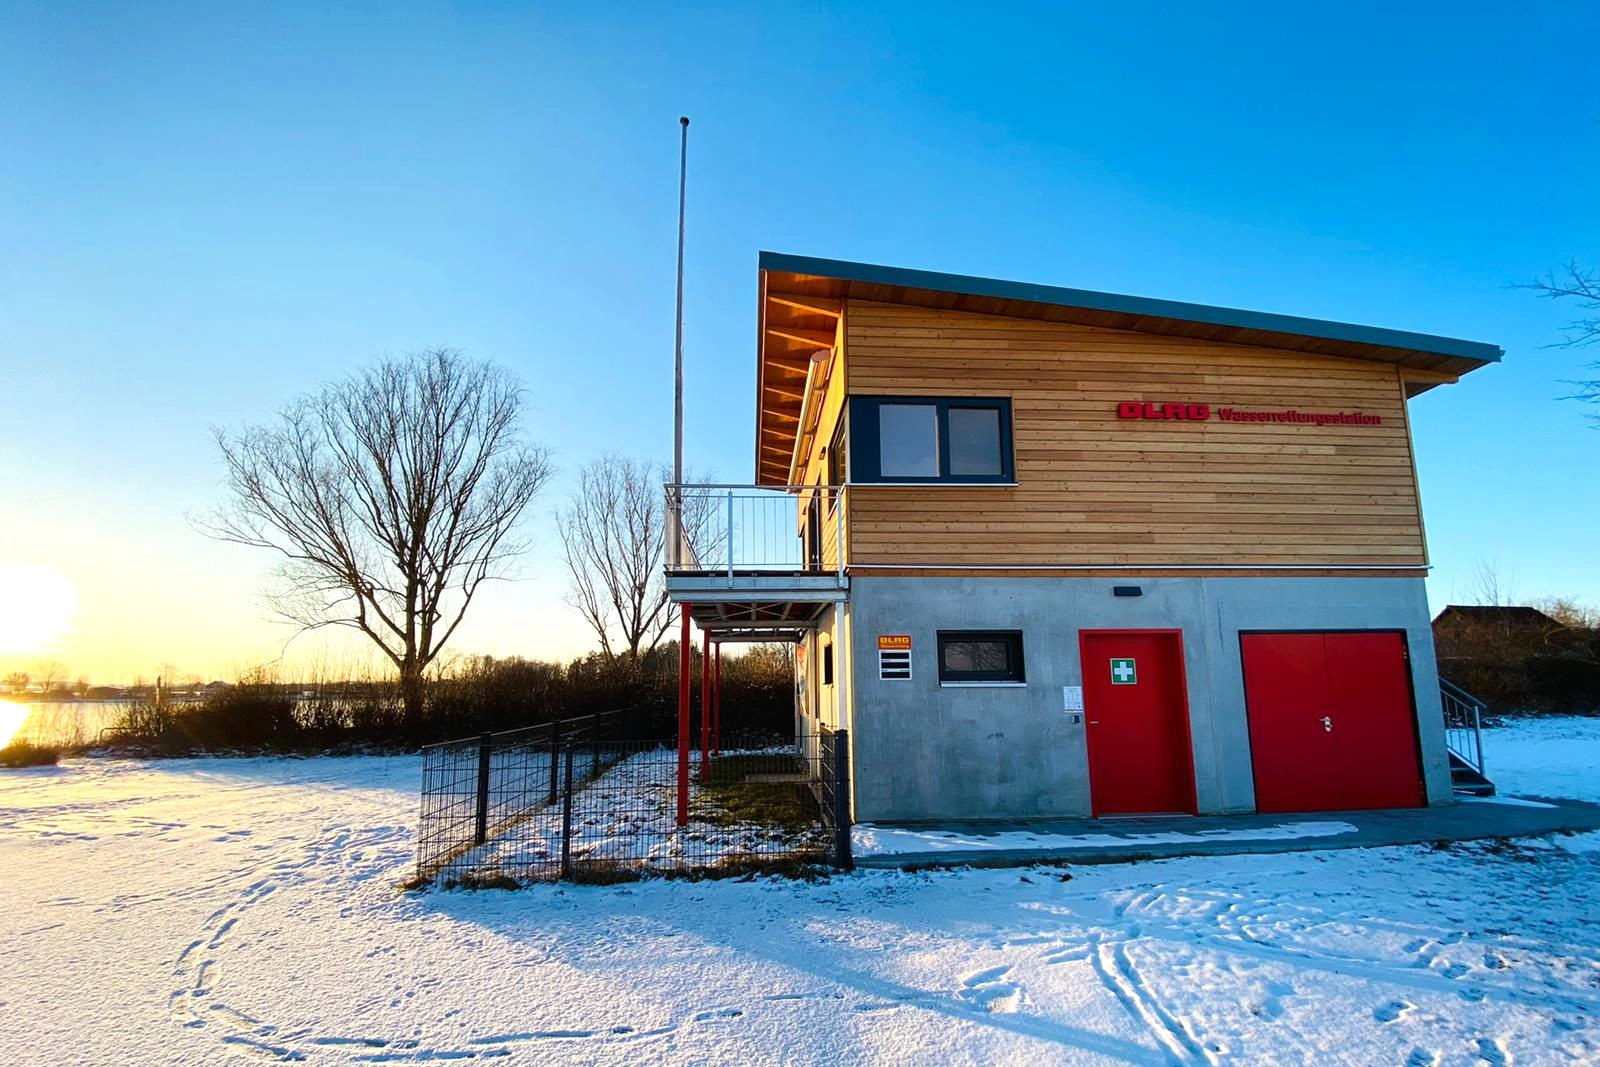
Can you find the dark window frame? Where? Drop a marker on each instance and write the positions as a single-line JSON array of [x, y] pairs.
[[862, 416], [1016, 665], [827, 663], [839, 455]]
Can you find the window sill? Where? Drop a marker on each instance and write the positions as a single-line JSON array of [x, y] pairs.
[[983, 685]]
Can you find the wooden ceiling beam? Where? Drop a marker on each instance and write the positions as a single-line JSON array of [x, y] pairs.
[[814, 338], [820, 305]]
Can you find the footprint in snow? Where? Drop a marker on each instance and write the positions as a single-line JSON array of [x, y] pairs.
[[1395, 1010], [1421, 1057], [1493, 1051], [984, 989]]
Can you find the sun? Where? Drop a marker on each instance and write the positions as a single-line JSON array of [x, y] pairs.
[[12, 716], [38, 607]]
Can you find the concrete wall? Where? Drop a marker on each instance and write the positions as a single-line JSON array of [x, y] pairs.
[[922, 751]]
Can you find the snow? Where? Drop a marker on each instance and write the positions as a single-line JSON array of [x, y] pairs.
[[870, 840], [247, 910], [1546, 756]]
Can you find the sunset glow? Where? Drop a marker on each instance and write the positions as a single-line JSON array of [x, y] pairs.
[[12, 716], [39, 606]]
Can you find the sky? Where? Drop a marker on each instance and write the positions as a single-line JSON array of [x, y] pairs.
[[206, 209]]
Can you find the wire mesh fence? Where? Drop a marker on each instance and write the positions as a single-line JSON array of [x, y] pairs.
[[590, 799]]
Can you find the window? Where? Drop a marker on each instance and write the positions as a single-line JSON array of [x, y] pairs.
[[933, 439], [908, 440], [838, 467], [827, 664], [991, 656]]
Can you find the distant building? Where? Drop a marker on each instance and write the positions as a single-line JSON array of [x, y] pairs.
[[1460, 624]]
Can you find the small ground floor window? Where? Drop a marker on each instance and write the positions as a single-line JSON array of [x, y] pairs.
[[980, 656]]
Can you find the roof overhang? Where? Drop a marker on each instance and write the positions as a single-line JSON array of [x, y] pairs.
[[801, 298]]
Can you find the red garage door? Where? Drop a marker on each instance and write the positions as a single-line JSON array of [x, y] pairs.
[[1332, 725]]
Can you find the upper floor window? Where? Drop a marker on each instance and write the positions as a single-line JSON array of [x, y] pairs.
[[931, 439]]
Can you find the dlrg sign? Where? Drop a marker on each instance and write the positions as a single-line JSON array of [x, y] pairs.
[[1133, 409], [1186, 412]]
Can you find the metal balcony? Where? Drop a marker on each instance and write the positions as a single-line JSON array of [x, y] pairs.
[[756, 563]]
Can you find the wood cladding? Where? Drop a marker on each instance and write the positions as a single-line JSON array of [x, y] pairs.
[[1095, 489]]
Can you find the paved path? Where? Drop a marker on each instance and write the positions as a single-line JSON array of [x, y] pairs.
[[1017, 843]]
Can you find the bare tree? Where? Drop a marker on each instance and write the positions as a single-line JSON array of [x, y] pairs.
[[614, 531], [49, 675], [391, 497], [17, 681], [1488, 587], [1574, 283]]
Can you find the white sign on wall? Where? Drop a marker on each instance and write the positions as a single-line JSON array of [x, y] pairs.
[[1072, 698]]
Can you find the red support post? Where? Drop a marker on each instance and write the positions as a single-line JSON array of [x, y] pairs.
[[705, 703], [716, 706], [684, 668]]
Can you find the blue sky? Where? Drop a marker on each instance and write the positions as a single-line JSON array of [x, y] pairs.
[[208, 208]]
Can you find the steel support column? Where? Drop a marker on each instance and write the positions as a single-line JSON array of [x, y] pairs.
[[705, 703], [684, 668]]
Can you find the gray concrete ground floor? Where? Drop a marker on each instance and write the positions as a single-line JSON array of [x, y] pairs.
[[991, 843]]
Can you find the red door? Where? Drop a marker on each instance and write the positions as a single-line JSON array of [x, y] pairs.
[[1332, 724], [1136, 703], [1286, 690], [1374, 721]]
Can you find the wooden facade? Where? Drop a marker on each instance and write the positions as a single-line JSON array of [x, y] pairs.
[[1095, 492], [1092, 488]]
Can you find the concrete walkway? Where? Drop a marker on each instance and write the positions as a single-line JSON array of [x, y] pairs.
[[1120, 840]]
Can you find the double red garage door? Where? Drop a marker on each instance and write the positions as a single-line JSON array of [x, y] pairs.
[[1332, 724]]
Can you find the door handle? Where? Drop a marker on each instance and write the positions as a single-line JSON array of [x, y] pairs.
[[1327, 724]]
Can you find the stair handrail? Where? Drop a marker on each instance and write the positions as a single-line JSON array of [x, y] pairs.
[[1451, 693]]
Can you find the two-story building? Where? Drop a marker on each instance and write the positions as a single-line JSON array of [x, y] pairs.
[[1051, 552]]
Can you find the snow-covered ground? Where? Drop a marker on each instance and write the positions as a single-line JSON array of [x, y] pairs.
[[226, 911]]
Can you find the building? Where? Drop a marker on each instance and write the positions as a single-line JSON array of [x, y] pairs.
[[1050, 552]]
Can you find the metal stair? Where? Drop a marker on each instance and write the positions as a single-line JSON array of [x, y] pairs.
[[1463, 733]]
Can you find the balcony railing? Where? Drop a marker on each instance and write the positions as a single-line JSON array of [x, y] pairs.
[[744, 529]]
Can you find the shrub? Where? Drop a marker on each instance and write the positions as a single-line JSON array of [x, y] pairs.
[[482, 694], [28, 754]]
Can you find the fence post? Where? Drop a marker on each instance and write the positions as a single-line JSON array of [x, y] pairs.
[[555, 736], [842, 856], [594, 761], [566, 817], [481, 833]]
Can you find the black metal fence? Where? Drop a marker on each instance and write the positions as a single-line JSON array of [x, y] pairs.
[[589, 799]]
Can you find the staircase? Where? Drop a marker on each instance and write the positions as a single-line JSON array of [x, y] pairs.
[[1463, 733]]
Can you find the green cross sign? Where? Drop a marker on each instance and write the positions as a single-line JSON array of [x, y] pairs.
[[1123, 672]]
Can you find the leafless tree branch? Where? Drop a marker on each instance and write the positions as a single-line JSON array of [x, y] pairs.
[[614, 532]]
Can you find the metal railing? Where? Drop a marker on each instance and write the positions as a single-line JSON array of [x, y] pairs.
[[726, 529], [1463, 723]]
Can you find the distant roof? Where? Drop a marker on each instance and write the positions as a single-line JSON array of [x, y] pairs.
[[789, 332], [1511, 614]]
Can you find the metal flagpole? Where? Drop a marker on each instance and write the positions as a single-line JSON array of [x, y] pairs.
[[676, 496], [677, 390]]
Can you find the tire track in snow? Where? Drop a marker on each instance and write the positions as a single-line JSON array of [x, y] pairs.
[[1119, 975]]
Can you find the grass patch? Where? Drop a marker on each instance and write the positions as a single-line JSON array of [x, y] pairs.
[[28, 754], [727, 797]]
